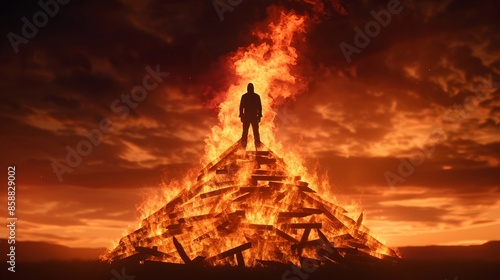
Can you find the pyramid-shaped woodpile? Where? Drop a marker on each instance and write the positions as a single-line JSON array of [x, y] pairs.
[[244, 209]]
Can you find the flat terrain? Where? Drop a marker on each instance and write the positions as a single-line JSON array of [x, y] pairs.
[[479, 262], [407, 270]]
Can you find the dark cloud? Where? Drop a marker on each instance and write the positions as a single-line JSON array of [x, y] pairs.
[[353, 120], [429, 215]]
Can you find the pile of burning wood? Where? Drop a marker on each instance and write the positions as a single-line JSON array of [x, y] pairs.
[[246, 209]]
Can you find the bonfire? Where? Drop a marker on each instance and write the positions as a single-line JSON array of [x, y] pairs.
[[249, 206]]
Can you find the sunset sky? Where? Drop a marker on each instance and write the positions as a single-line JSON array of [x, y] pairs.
[[432, 74]]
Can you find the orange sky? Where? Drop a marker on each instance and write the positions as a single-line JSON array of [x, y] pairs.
[[353, 121]]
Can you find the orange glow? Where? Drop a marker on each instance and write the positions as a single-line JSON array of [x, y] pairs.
[[216, 212], [267, 66]]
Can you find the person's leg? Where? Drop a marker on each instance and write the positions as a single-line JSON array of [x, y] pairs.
[[244, 135], [256, 135]]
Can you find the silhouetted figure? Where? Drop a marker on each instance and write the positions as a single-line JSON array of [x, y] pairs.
[[250, 113]]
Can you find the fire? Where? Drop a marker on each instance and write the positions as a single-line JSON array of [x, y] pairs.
[[249, 206], [267, 66]]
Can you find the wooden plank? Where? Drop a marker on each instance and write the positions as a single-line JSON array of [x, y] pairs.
[[195, 218], [215, 163], [330, 257], [230, 169], [274, 264], [301, 245], [132, 236], [305, 236], [289, 215], [239, 213], [269, 178], [198, 259], [360, 220], [203, 236], [181, 251], [265, 160], [223, 225], [152, 251], [280, 196], [248, 189], [325, 240], [301, 184], [331, 253], [183, 196], [220, 228], [235, 250], [163, 236], [357, 245], [347, 250], [174, 227], [338, 224], [284, 235], [345, 236], [261, 172], [242, 197], [132, 259], [310, 210], [248, 238], [302, 225], [224, 183], [320, 203], [231, 252], [215, 193], [251, 189], [258, 226], [276, 184], [232, 215], [163, 211], [258, 153], [239, 258], [175, 214], [305, 189], [303, 240]]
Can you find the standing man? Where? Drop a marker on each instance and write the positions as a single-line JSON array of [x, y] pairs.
[[250, 113]]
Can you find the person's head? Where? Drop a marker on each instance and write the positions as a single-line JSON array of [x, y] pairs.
[[250, 88]]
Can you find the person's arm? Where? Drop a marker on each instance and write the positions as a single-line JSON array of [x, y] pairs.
[[241, 107], [259, 108]]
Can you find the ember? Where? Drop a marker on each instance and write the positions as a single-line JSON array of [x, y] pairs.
[[251, 208], [264, 217]]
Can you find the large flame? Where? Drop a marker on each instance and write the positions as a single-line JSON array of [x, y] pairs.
[[267, 66], [187, 215]]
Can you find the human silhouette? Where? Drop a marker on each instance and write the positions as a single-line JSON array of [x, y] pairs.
[[250, 113]]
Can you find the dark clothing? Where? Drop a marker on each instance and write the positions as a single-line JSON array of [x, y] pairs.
[[250, 107], [250, 113], [255, 129]]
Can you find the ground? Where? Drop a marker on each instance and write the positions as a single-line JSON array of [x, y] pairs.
[[404, 270]]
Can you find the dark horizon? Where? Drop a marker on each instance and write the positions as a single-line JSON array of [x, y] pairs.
[[405, 126], [53, 252]]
